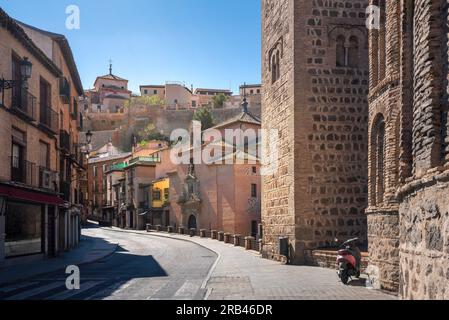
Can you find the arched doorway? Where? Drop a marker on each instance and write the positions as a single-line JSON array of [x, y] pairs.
[[192, 222]]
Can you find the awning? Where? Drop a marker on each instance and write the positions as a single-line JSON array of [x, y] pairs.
[[16, 193]]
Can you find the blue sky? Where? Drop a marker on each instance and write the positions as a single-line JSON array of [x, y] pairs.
[[207, 43]]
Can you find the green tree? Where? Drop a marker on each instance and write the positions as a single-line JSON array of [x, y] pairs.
[[219, 100], [204, 116]]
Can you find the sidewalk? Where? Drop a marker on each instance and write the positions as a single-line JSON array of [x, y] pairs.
[[89, 250], [244, 275]]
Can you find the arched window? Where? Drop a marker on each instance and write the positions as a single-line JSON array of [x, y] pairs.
[[341, 51], [378, 162], [353, 52], [275, 67]]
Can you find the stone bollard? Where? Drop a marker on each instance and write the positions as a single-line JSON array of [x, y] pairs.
[[170, 229], [221, 236], [260, 243], [203, 233], [149, 227], [227, 237], [248, 242], [181, 230], [237, 240], [192, 232], [158, 228], [214, 234]]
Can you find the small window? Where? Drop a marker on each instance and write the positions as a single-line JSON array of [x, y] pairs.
[[341, 51], [157, 195], [166, 193], [258, 91], [155, 91], [254, 190], [145, 91], [254, 170]]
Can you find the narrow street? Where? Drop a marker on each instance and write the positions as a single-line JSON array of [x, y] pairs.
[[161, 266], [141, 268]]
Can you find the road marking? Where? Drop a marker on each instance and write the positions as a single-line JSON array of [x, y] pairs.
[[70, 293], [28, 294], [188, 289], [17, 286]]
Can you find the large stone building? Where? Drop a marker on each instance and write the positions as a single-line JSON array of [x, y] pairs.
[[408, 218], [315, 86]]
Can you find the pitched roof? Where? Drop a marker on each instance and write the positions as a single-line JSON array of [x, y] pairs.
[[66, 52], [245, 117], [111, 76], [17, 31]]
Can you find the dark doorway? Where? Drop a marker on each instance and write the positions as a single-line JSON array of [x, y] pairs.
[[51, 231], [192, 222], [254, 228], [167, 218]]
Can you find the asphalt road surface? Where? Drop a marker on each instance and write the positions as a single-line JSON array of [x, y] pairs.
[[143, 268]]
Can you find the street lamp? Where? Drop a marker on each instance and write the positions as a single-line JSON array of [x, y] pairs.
[[89, 135], [25, 70]]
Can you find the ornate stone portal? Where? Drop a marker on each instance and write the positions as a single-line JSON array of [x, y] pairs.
[[190, 200]]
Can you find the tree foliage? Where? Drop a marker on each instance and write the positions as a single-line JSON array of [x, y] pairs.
[[204, 116], [219, 100]]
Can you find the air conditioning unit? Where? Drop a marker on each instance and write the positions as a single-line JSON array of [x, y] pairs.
[[48, 180]]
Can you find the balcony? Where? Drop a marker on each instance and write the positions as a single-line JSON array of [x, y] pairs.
[[64, 189], [23, 171], [48, 179], [24, 103], [49, 118], [80, 122], [64, 141], [64, 89], [74, 109]]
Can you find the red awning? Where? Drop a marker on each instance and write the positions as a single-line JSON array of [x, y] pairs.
[[29, 195]]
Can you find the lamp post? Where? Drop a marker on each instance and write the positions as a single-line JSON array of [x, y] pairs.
[[26, 68]]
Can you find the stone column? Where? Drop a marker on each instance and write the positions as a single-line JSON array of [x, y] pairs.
[[214, 234], [221, 236], [248, 242], [237, 240]]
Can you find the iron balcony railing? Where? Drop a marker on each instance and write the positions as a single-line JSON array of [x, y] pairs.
[[80, 121], [49, 118], [64, 89], [23, 171], [24, 102], [74, 109], [64, 141]]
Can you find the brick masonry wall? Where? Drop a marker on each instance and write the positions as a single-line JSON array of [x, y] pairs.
[[320, 190]]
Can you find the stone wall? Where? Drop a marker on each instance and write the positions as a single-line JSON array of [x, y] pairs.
[[424, 247], [320, 190], [408, 172]]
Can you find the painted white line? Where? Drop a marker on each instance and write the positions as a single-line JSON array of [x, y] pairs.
[[36, 291], [70, 293]]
